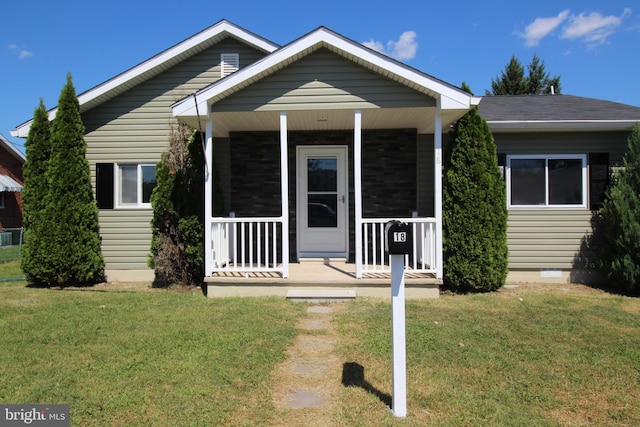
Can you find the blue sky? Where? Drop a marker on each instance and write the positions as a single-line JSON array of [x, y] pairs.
[[593, 45]]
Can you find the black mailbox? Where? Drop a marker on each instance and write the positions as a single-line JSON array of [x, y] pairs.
[[399, 238]]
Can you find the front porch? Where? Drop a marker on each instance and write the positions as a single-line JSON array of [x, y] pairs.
[[319, 274]]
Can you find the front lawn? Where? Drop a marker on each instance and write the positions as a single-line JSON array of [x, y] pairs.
[[544, 356]]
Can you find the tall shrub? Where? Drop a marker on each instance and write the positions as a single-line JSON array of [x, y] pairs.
[[35, 188], [178, 210], [71, 230], [474, 209], [616, 240]]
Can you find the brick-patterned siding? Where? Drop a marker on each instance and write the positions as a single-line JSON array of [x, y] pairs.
[[388, 174]]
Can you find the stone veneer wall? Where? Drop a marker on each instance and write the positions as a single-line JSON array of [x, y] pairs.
[[389, 169]]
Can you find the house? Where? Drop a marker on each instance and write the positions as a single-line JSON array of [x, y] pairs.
[[317, 145], [556, 152], [11, 160]]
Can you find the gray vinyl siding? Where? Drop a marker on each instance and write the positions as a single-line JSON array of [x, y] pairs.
[[134, 128], [551, 238], [323, 80]]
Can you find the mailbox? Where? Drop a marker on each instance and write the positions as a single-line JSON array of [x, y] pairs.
[[399, 238]]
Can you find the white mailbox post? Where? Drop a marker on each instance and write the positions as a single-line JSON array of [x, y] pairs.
[[399, 242]]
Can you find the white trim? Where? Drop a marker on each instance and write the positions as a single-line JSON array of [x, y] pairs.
[[437, 170], [4, 142], [156, 64], [547, 157], [357, 188], [208, 196], [452, 98], [284, 187], [560, 125]]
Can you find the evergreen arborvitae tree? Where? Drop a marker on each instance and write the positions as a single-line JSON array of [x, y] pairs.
[[71, 231], [178, 210], [474, 209], [35, 188], [616, 239]]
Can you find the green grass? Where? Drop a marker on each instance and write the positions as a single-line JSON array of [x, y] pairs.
[[548, 359], [155, 358], [542, 357]]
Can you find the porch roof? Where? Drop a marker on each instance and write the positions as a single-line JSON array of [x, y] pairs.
[[454, 102]]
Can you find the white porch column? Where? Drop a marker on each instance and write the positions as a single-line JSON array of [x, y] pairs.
[[437, 168], [284, 186], [357, 188], [208, 196]]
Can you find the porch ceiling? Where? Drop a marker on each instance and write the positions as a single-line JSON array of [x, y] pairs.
[[422, 119]]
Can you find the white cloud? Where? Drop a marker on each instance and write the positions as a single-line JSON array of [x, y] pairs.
[[593, 28], [22, 53], [542, 27], [404, 48]]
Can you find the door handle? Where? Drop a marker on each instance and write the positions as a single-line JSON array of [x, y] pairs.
[[342, 198]]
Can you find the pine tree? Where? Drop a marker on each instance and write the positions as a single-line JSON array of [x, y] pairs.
[[474, 209], [38, 151], [71, 232], [512, 80], [616, 239], [178, 209]]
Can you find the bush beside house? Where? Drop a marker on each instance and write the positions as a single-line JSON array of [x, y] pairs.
[[616, 238], [474, 210]]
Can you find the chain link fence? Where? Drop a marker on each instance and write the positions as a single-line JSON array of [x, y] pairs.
[[11, 240]]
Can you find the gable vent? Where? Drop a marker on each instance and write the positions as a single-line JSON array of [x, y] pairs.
[[229, 63]]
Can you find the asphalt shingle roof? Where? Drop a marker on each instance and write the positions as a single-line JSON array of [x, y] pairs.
[[553, 108]]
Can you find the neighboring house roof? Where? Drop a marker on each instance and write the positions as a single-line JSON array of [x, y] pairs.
[[7, 145], [159, 63], [453, 100], [555, 112]]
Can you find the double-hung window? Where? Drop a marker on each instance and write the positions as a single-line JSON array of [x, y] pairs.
[[135, 184], [556, 181]]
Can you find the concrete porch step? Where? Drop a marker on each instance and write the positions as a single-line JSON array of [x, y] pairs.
[[320, 295]]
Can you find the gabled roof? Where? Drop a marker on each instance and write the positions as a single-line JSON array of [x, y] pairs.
[[159, 63], [555, 112], [7, 145], [452, 98]]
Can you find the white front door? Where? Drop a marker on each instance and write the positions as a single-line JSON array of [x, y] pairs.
[[322, 201]]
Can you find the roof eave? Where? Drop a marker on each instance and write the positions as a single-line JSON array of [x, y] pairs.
[[451, 97], [155, 65], [560, 126]]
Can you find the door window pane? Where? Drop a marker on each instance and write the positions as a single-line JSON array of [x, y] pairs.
[[322, 174], [321, 210]]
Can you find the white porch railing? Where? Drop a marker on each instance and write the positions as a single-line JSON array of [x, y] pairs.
[[423, 256], [247, 245]]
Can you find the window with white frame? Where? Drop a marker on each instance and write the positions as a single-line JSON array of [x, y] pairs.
[[135, 184], [556, 181]]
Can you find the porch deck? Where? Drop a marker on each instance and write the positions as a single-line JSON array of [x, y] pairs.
[[319, 274]]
